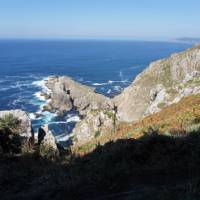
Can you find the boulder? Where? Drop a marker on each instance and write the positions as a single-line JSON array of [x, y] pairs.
[[47, 143], [96, 123], [24, 139]]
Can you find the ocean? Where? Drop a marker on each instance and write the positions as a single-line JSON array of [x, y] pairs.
[[109, 66]]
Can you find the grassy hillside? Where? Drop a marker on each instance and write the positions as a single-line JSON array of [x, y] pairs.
[[154, 167], [144, 160], [176, 120]]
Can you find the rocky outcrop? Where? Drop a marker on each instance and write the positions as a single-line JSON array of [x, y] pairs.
[[67, 94], [47, 143], [164, 82], [93, 125], [25, 134]]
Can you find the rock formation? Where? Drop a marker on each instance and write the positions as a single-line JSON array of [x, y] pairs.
[[164, 82], [67, 94], [47, 143], [94, 108], [25, 132], [93, 125]]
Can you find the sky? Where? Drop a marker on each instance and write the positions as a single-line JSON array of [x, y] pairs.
[[123, 19]]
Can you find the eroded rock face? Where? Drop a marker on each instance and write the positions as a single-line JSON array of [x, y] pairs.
[[25, 132], [47, 143], [68, 94], [164, 82], [93, 125]]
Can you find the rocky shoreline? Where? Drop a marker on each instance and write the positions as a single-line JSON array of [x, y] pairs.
[[163, 83]]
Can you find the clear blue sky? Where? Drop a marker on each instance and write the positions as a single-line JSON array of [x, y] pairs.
[[138, 19]]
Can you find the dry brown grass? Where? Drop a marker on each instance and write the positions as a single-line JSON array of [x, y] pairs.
[[172, 120]]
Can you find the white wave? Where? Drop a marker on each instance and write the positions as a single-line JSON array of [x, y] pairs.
[[63, 137], [117, 88], [32, 116], [40, 83], [97, 84], [135, 67], [47, 117], [18, 84], [4, 89], [60, 122], [109, 91], [39, 96], [73, 119], [110, 82]]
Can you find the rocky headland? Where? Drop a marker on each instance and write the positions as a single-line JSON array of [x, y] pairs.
[[163, 83], [141, 141]]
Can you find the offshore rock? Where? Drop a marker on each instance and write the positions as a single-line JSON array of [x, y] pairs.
[[68, 94]]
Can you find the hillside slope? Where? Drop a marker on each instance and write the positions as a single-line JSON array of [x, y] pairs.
[[178, 119], [164, 82]]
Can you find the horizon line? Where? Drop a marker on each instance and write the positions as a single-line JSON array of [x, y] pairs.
[[174, 40]]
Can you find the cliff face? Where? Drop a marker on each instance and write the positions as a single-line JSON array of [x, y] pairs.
[[67, 94], [16, 133], [25, 127], [164, 82], [96, 110]]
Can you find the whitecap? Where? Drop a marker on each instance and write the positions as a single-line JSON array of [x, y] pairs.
[[39, 96], [73, 119], [117, 88], [63, 137], [40, 83], [47, 117], [109, 91], [97, 84], [32, 116], [4, 89], [136, 67], [59, 122]]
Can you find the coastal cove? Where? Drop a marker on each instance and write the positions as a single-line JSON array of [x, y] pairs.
[[108, 66]]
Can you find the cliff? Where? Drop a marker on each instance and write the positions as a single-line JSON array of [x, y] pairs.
[[67, 94], [163, 83]]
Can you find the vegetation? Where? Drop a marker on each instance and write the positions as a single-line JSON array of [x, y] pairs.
[[173, 120], [9, 140], [143, 160], [123, 168]]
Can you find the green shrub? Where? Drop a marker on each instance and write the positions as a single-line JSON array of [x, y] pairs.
[[9, 123], [161, 105], [47, 151], [97, 134], [9, 138]]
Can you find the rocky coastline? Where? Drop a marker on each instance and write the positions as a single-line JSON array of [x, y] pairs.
[[163, 83]]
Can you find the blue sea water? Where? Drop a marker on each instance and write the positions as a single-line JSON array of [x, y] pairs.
[[109, 66]]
